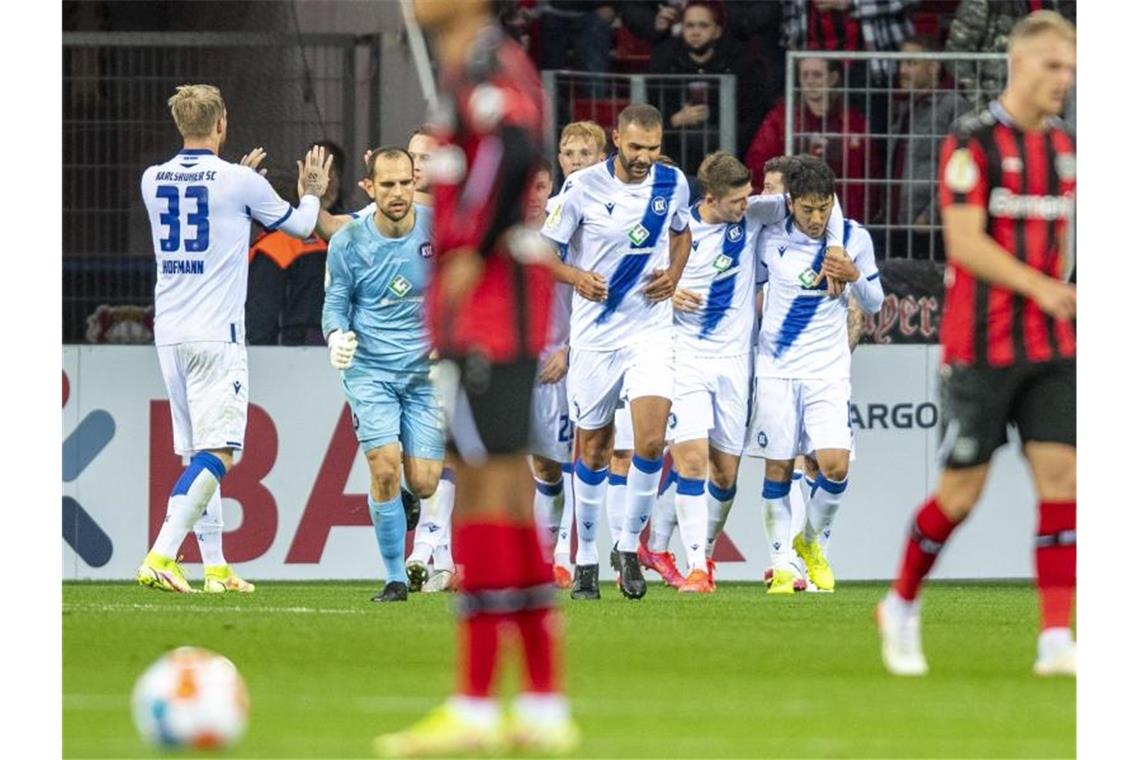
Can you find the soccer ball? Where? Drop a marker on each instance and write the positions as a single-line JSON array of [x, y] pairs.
[[191, 697]]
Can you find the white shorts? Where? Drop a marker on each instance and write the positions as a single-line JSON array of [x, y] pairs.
[[623, 428], [711, 401], [208, 387], [551, 431], [799, 417], [598, 378]]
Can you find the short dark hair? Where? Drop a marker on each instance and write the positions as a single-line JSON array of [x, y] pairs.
[[721, 173], [641, 114], [422, 129], [810, 176], [927, 42], [388, 151], [542, 164], [785, 165]]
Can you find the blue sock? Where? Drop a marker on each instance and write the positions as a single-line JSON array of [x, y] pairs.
[[390, 524]]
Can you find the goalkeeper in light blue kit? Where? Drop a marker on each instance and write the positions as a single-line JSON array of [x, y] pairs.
[[373, 319]]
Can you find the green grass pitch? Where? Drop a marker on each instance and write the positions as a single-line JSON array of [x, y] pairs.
[[734, 674]]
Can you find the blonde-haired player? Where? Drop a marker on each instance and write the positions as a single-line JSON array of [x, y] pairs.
[[582, 144], [200, 208]]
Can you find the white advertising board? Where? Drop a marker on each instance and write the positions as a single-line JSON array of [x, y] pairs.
[[295, 503]]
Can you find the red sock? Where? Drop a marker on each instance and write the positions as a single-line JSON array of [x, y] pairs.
[[490, 561], [928, 533], [539, 629], [1056, 561]]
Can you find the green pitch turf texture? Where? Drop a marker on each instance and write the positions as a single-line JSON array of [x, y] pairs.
[[735, 674]]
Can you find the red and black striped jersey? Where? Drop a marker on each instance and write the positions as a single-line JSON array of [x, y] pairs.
[[1026, 181], [489, 127]]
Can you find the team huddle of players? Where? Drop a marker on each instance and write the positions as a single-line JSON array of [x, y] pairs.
[[653, 342], [635, 365], [623, 343]]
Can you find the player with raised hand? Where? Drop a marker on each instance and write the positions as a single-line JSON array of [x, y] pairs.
[[581, 144], [200, 207], [1007, 189], [803, 364], [488, 308], [627, 220], [373, 318]]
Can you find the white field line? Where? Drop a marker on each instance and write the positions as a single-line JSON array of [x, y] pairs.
[[124, 607]]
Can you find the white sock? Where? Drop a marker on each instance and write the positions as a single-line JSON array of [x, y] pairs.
[[589, 493], [640, 495], [719, 505], [188, 501], [800, 495], [693, 521], [482, 711], [615, 505], [444, 498], [822, 507], [208, 531], [542, 708], [778, 522], [549, 500], [562, 548], [663, 519]]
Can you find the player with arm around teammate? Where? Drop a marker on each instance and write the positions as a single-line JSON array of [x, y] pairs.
[[806, 469], [200, 208], [373, 319], [803, 364], [626, 220]]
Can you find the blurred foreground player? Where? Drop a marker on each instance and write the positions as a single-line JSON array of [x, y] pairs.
[[200, 207], [1008, 180], [488, 307]]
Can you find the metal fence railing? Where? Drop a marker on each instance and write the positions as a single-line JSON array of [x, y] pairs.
[[883, 141], [711, 100], [281, 91]]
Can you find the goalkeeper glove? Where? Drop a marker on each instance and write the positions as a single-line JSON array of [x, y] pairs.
[[342, 347]]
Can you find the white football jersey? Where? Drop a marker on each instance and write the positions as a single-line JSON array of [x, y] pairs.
[[558, 332], [722, 269], [803, 333], [620, 231], [200, 208]]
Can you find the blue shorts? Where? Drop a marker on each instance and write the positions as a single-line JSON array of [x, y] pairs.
[[405, 410]]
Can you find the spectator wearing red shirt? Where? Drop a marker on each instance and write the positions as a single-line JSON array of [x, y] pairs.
[[826, 129]]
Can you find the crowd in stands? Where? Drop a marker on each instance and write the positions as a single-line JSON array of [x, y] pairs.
[[877, 122]]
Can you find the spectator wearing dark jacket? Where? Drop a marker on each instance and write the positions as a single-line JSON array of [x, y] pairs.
[[920, 120], [692, 109], [581, 27]]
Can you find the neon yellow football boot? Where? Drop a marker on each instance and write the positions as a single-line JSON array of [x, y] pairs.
[[783, 581], [818, 568], [443, 732], [220, 579], [164, 574]]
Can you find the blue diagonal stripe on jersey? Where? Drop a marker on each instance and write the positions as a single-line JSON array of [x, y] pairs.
[[626, 275], [631, 266], [664, 184], [803, 308], [720, 299], [720, 294]]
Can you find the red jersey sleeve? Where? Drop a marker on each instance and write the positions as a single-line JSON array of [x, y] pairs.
[[490, 154], [962, 172]]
